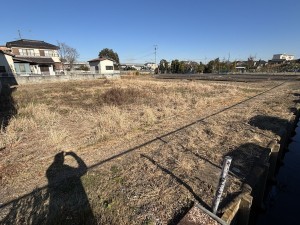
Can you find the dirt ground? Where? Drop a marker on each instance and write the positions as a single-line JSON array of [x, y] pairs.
[[132, 151]]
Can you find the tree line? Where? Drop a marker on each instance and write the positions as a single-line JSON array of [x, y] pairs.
[[213, 66], [226, 66]]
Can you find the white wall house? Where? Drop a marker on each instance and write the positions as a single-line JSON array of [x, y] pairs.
[[102, 66], [283, 57], [6, 63]]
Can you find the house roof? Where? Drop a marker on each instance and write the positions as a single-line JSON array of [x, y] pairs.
[[100, 59], [25, 43], [6, 53], [21, 60], [76, 63], [4, 48], [35, 60]]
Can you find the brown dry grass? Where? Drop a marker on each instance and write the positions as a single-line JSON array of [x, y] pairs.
[[98, 119]]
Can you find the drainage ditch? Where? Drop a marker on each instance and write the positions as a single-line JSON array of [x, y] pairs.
[[282, 201]]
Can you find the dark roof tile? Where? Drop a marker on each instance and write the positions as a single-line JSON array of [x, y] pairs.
[[24, 43], [36, 60], [100, 59]]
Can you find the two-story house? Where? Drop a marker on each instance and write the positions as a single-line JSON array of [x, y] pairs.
[[35, 57]]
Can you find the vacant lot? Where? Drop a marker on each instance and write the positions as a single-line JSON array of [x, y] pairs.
[[146, 149]]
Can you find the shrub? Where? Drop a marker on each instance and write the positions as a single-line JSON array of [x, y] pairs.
[[119, 96]]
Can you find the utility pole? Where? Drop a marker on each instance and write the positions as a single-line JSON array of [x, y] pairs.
[[155, 48]]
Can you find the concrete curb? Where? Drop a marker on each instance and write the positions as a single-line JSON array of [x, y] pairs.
[[268, 171], [238, 210]]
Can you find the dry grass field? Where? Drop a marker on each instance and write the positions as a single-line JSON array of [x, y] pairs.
[[131, 151]]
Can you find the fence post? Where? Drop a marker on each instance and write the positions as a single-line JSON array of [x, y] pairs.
[[221, 185]]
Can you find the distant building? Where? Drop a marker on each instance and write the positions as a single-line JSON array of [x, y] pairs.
[[283, 57], [136, 66], [76, 65], [104, 66], [151, 66], [240, 69], [35, 57]]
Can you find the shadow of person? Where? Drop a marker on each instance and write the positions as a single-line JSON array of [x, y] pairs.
[[68, 202]]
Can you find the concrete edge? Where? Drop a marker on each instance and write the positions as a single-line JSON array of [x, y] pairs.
[[245, 201], [215, 217]]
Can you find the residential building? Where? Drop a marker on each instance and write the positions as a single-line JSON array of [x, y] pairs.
[[283, 57], [151, 66], [139, 66], [35, 57], [6, 63], [129, 66], [5, 49], [104, 66], [77, 65], [240, 69]]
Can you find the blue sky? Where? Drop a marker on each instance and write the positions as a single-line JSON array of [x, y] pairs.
[[185, 30]]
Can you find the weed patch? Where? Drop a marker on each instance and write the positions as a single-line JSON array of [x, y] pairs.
[[121, 96]]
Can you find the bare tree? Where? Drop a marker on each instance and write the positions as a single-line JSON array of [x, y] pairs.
[[67, 54]]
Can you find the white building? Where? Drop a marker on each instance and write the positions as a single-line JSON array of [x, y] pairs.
[[151, 66], [283, 57], [102, 66], [137, 66], [6, 63]]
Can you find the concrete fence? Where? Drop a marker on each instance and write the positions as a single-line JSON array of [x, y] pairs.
[[13, 79]]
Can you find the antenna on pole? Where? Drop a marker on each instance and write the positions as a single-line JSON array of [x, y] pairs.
[[19, 34]]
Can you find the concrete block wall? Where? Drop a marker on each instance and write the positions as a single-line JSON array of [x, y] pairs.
[[15, 80]]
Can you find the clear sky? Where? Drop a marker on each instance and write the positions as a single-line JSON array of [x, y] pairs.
[[182, 29]]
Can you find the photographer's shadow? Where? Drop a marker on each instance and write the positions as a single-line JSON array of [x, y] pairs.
[[68, 201]]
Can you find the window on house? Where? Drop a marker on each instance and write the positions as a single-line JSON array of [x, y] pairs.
[[21, 51], [22, 68], [30, 52], [49, 53], [109, 68], [44, 68], [27, 52], [55, 54]]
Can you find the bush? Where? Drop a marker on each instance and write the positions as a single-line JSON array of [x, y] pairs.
[[118, 96]]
